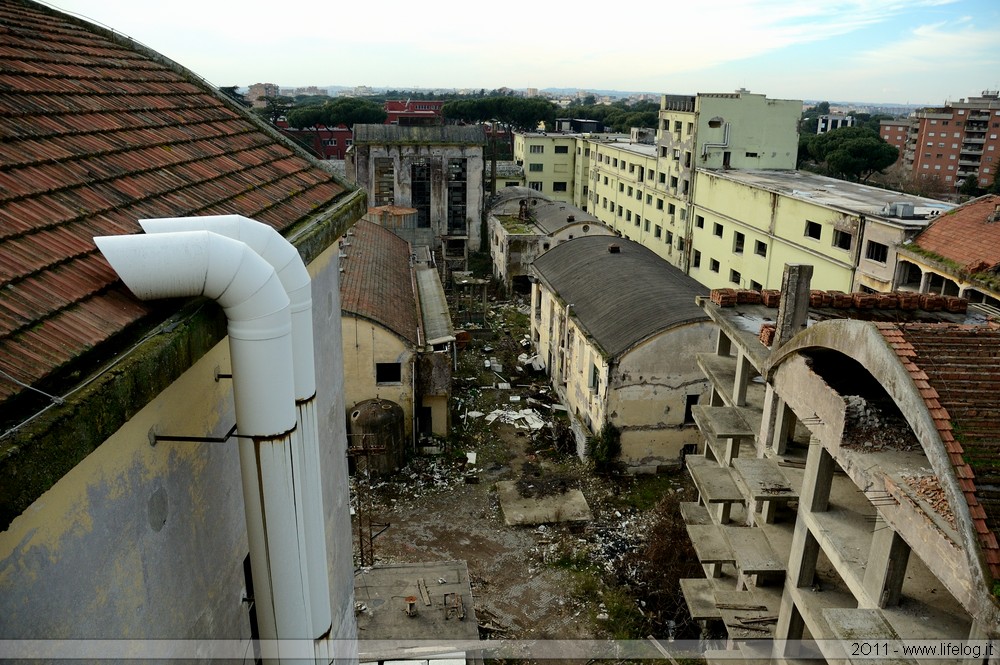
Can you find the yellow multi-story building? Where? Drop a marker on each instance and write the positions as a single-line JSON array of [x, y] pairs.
[[717, 195], [747, 225], [549, 163]]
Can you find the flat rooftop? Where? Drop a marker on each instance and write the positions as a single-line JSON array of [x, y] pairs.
[[850, 196], [439, 595]]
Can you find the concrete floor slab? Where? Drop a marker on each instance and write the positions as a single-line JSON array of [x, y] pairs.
[[518, 510]]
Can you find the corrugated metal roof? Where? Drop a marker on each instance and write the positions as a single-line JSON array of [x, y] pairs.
[[423, 135], [376, 283], [620, 298], [97, 135], [961, 365], [433, 307]]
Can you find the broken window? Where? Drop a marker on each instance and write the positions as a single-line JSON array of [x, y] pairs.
[[813, 230], [384, 190], [842, 239], [420, 191], [388, 372]]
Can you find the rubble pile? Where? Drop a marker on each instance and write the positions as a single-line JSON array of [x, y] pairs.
[[928, 488], [869, 428]]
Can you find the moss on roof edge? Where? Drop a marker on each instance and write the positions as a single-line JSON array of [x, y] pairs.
[[36, 455]]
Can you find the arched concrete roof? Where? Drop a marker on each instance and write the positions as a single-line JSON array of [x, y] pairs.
[[869, 344]]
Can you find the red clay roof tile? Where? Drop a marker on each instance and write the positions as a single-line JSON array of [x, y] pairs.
[[97, 136]]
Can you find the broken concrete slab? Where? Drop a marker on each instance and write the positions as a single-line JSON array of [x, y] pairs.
[[570, 506]]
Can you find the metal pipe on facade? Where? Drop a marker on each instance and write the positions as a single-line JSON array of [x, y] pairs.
[[257, 307], [294, 277]]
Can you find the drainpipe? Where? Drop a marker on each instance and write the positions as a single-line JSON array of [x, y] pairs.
[[259, 325], [291, 271]]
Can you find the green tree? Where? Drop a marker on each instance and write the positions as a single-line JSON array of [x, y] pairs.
[[852, 153], [232, 91], [275, 108], [994, 187], [970, 186]]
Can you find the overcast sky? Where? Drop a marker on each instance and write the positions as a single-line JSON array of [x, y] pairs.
[[903, 51]]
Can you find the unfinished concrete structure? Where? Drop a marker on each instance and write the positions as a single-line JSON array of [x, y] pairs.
[[523, 224], [397, 331], [437, 170], [847, 489], [617, 330]]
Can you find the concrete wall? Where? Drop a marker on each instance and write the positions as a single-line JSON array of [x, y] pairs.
[[648, 392], [365, 344], [361, 168], [779, 222], [144, 542], [763, 132]]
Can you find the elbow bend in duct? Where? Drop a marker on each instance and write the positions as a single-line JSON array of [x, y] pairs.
[[291, 270], [197, 263]]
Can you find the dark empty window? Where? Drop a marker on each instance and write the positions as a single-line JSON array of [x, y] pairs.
[[760, 248], [559, 186], [699, 221], [842, 239], [738, 241], [717, 230], [713, 265], [876, 251], [420, 191], [388, 372], [562, 149], [690, 401], [734, 276], [813, 229], [696, 259]]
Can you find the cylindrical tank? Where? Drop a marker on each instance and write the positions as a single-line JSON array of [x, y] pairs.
[[378, 426]]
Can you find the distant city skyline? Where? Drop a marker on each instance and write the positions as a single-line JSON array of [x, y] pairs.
[[920, 52]]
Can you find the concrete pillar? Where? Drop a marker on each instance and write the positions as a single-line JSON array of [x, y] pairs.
[[790, 628], [784, 425], [925, 280], [767, 421], [793, 308], [743, 371], [723, 345], [715, 399], [817, 479], [886, 567]]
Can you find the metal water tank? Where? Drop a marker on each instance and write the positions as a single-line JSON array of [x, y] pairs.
[[377, 435]]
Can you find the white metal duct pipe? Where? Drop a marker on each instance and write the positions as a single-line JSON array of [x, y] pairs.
[[294, 276], [259, 326]]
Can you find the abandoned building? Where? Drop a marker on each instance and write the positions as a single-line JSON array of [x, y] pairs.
[[618, 329], [523, 224], [132, 505], [848, 483], [437, 170], [397, 332], [958, 254]]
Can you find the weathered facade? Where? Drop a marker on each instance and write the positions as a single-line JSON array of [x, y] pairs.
[[847, 487], [523, 225], [436, 170], [120, 480], [619, 347], [748, 224], [958, 254], [397, 331]]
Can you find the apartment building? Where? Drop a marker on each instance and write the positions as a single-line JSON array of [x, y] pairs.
[[956, 141], [549, 163], [748, 224], [644, 191], [258, 92]]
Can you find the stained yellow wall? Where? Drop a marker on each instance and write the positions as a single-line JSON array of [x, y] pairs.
[[365, 344]]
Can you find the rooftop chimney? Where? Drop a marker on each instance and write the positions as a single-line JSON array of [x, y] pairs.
[[614, 249]]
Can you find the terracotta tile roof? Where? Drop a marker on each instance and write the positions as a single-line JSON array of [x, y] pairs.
[[377, 282], [97, 135], [960, 367], [966, 235]]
